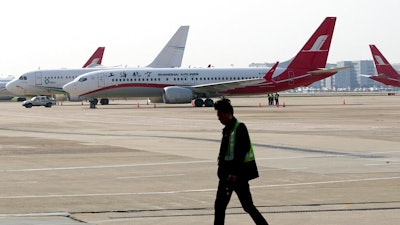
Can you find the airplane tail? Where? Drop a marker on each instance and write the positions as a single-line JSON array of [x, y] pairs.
[[171, 55], [314, 53], [383, 67], [95, 59]]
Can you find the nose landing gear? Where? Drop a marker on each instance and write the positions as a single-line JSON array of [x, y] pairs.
[[93, 103]]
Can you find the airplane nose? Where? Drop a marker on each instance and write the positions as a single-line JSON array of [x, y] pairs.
[[69, 87], [13, 88]]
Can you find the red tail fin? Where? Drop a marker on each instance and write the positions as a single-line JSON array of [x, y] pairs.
[[383, 66], [96, 58], [314, 53]]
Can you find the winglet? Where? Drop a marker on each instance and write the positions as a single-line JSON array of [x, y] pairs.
[[268, 75], [95, 59]]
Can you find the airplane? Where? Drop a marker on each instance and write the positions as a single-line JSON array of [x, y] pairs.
[[47, 82], [93, 61], [4, 94], [50, 82], [185, 85], [386, 73]]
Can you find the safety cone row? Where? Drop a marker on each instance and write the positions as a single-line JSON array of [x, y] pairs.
[[277, 105], [138, 105]]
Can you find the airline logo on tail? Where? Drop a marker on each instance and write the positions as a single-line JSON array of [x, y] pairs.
[[379, 60], [95, 59], [318, 44]]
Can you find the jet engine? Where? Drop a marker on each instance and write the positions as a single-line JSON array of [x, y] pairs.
[[177, 95]]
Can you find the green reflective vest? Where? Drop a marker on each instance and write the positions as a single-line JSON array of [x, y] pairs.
[[230, 153]]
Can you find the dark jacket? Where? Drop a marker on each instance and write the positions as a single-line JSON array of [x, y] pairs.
[[243, 171]]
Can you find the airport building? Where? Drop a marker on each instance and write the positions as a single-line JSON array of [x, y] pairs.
[[352, 78]]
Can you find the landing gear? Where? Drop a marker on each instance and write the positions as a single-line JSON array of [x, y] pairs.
[[198, 102], [93, 103], [207, 103], [104, 101]]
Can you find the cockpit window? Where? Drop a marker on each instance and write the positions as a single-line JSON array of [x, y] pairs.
[[23, 78], [83, 79]]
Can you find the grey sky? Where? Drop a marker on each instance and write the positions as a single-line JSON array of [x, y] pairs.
[[63, 34]]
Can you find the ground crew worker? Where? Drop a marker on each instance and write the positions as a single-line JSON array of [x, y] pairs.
[[270, 99], [236, 165], [276, 97]]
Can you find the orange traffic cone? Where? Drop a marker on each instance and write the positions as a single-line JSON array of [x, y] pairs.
[[344, 102], [138, 106], [259, 105]]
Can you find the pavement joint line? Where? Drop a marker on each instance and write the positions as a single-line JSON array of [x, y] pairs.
[[194, 190]]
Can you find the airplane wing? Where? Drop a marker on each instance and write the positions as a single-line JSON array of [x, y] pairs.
[[325, 71], [224, 86], [228, 85], [52, 89], [267, 80], [381, 76]]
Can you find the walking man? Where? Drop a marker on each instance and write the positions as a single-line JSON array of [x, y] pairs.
[[236, 165]]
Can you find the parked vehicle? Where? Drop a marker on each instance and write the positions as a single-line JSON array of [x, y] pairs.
[[39, 101]]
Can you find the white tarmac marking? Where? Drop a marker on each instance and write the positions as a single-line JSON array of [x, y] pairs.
[[385, 164], [144, 164], [198, 190], [107, 166]]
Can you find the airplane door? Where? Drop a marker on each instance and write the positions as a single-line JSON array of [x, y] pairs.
[[291, 78], [38, 78], [101, 80]]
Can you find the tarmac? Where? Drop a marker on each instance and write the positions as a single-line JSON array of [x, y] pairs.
[[322, 160]]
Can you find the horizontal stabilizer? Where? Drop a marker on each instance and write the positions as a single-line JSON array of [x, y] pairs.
[[325, 71]]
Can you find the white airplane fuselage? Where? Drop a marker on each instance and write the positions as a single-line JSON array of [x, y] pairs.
[[152, 82], [45, 82]]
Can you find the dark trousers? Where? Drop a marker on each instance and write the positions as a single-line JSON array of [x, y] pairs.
[[242, 190]]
